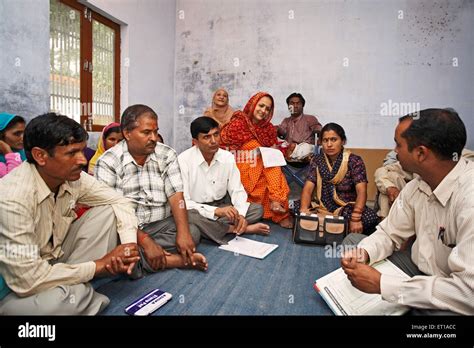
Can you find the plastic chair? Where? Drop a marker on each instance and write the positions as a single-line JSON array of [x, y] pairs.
[[296, 171], [295, 174]]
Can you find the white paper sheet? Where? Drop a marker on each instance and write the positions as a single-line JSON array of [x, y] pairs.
[[249, 247], [344, 299], [272, 157]]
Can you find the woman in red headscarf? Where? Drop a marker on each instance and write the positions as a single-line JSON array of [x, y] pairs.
[[246, 131]]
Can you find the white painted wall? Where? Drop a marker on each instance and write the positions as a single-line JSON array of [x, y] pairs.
[[180, 51], [24, 57], [286, 45], [147, 50]]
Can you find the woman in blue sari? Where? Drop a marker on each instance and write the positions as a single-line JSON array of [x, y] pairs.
[[337, 183], [12, 154]]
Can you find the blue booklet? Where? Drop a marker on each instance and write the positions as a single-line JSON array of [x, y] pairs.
[[148, 303]]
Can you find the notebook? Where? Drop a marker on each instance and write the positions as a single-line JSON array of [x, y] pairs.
[[249, 247], [344, 299]]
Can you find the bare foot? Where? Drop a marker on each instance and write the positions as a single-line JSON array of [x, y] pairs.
[[277, 207], [286, 223], [201, 262], [258, 228], [176, 261]]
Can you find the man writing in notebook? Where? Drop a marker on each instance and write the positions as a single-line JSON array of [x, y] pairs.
[[213, 192], [437, 209]]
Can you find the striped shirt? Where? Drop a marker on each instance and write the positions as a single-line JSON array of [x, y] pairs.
[[34, 224], [443, 222], [149, 186]]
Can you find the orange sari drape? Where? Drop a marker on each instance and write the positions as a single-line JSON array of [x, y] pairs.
[[263, 185]]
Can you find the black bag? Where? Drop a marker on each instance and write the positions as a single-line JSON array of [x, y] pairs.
[[319, 229]]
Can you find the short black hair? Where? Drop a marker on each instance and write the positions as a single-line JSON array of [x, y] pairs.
[[132, 113], [13, 122], [440, 130], [50, 130], [115, 129], [334, 127], [202, 124], [294, 94]]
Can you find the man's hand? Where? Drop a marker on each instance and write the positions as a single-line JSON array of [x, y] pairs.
[[154, 253], [359, 254], [363, 277], [229, 212], [5, 148], [121, 259], [185, 246], [392, 193], [240, 225]]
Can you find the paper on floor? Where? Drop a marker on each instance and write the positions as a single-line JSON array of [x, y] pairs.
[[249, 247]]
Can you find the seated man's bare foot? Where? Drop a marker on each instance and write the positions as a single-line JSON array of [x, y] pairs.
[[201, 262], [258, 228], [277, 207], [286, 223], [176, 261]]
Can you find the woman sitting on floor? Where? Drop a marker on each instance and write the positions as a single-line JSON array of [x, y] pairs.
[[246, 131], [12, 154], [220, 110], [337, 183], [111, 136]]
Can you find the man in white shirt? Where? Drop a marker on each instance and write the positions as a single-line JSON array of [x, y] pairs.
[[214, 194], [50, 258], [438, 209]]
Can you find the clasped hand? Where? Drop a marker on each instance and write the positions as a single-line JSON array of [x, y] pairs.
[[362, 276]]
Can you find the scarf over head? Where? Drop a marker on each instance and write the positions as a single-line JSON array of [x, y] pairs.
[[221, 114], [241, 128], [5, 119], [100, 147]]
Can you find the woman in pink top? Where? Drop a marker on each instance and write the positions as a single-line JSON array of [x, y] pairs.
[[12, 128]]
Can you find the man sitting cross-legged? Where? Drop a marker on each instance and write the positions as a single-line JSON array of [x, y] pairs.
[[51, 258], [214, 194], [147, 172]]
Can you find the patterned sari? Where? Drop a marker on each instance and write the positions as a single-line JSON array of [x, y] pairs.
[[335, 190], [263, 185]]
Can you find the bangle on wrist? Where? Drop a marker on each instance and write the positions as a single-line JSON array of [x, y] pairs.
[[142, 237]]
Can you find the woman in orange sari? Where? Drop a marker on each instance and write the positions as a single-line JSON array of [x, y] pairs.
[[246, 131]]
